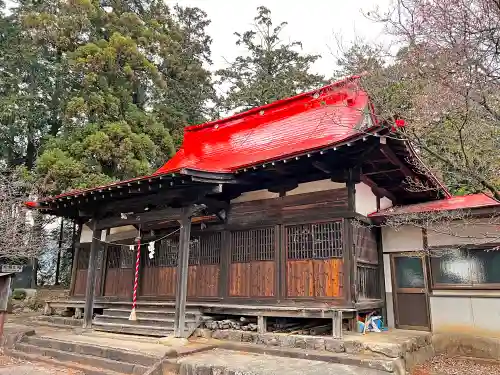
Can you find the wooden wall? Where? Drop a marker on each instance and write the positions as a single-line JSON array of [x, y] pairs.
[[285, 248], [119, 275]]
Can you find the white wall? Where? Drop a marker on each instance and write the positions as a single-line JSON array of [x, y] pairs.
[[321, 185], [473, 231], [385, 203], [86, 235], [120, 233], [404, 238], [366, 201], [466, 314]]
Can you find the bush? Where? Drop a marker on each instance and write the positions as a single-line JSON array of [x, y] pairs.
[[18, 294]]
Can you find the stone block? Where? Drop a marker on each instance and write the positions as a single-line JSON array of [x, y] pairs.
[[234, 336], [353, 347], [315, 343], [220, 335], [286, 341], [300, 342], [249, 337], [387, 349], [334, 345], [268, 339]]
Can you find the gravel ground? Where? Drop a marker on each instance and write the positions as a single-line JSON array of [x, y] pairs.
[[443, 365], [12, 366]]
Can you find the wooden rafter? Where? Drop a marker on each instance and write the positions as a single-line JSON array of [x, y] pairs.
[[380, 191], [394, 159]]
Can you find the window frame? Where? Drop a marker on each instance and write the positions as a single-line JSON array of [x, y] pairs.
[[449, 286]]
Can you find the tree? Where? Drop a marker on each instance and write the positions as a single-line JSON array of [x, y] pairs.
[[271, 69], [19, 239], [130, 66], [444, 83], [32, 82]]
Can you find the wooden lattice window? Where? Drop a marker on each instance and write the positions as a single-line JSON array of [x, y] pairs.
[[205, 248], [166, 253], [254, 244], [120, 257], [365, 243], [368, 282], [314, 241]]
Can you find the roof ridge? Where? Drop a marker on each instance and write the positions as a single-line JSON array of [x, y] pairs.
[[274, 104]]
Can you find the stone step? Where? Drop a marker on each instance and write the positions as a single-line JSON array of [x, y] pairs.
[[141, 321], [34, 358], [133, 329], [219, 361], [87, 360], [58, 321], [114, 354], [389, 365], [161, 314]]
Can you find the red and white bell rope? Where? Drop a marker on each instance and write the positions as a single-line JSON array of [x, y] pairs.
[[136, 279]]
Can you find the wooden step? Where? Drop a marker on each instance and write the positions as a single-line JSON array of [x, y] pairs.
[[149, 313], [141, 321], [132, 329]]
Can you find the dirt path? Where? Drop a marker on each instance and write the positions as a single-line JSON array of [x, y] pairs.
[[443, 365], [12, 366]]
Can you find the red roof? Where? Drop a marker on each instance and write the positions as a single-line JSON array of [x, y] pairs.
[[447, 204], [285, 128]]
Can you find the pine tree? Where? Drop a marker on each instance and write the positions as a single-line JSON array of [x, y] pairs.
[[271, 69]]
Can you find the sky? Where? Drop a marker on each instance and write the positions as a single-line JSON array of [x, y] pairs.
[[316, 23]]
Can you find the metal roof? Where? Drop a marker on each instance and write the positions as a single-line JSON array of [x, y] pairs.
[[285, 128], [448, 204]]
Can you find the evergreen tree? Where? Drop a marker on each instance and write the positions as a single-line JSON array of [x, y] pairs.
[[271, 69], [120, 77]]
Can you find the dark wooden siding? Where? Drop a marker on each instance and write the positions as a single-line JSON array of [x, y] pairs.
[[314, 260], [82, 266], [320, 205], [253, 263], [159, 273], [120, 272], [367, 269]]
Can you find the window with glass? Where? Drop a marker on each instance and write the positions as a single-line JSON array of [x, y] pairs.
[[466, 268]]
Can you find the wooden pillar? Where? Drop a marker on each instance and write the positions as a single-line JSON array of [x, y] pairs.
[[353, 176], [75, 253], [59, 250], [91, 276], [182, 273]]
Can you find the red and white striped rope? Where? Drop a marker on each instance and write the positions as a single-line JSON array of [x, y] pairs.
[[136, 277]]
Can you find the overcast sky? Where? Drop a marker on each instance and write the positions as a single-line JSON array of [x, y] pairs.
[[313, 22]]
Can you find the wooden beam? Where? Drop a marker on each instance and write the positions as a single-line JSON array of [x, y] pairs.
[[379, 191], [394, 159], [182, 273], [91, 276]]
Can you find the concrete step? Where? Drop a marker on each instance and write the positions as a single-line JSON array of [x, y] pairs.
[[133, 329], [34, 358], [58, 321], [114, 354], [219, 361], [143, 321], [149, 314], [389, 365], [83, 359]]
